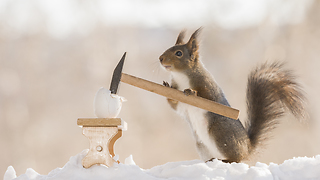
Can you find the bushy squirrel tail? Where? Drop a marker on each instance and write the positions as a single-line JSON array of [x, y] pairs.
[[271, 91]]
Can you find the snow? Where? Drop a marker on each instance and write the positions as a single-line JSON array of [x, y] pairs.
[[293, 169]]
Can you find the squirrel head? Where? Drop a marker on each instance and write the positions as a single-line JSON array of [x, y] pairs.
[[182, 56]]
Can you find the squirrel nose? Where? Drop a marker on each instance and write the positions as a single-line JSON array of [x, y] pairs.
[[161, 59]]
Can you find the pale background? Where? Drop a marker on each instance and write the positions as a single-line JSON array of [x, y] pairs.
[[55, 55]]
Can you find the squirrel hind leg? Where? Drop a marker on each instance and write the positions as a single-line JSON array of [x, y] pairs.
[[224, 160]]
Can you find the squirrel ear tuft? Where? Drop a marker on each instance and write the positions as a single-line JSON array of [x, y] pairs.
[[193, 43], [181, 37]]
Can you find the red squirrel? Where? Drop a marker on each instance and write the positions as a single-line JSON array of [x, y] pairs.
[[271, 91]]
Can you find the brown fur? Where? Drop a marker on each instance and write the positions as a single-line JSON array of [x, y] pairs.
[[270, 91]]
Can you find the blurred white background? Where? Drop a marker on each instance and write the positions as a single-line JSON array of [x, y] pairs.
[[55, 55]]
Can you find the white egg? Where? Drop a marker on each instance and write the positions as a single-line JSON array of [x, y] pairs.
[[107, 105]]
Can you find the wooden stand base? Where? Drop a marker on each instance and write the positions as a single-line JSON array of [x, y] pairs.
[[102, 134]]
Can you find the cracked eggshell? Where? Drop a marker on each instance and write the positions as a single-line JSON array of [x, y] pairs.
[[107, 105]]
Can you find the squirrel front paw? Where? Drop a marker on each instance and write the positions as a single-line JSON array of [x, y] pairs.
[[173, 103], [189, 92], [165, 83]]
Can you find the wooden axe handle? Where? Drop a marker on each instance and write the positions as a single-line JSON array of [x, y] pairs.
[[180, 96]]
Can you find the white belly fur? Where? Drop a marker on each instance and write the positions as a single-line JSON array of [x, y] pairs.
[[196, 118]]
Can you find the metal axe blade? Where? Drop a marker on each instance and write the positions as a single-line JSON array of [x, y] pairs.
[[116, 77]]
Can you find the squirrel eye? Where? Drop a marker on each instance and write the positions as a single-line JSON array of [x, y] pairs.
[[178, 53]]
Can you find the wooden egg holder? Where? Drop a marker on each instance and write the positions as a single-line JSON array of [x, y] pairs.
[[102, 134]]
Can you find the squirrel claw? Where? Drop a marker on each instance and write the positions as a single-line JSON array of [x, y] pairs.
[[225, 161], [165, 83], [189, 92]]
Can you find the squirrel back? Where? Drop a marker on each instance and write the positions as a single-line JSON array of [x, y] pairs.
[[271, 91]]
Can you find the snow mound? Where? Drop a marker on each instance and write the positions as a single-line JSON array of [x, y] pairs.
[[293, 169]]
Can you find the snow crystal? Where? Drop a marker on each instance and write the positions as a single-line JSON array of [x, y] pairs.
[[10, 173]]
